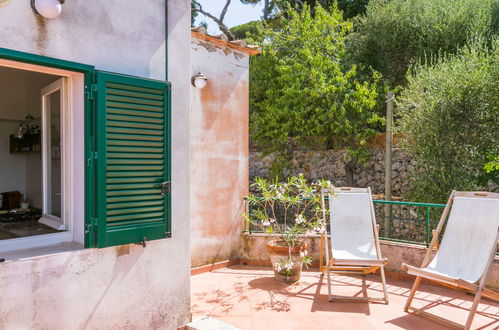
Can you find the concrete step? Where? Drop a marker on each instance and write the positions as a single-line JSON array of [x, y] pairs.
[[208, 323]]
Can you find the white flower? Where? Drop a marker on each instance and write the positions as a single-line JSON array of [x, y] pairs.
[[303, 253], [272, 220], [299, 219], [266, 223], [278, 195]]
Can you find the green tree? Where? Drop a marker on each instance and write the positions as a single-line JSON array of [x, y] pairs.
[[301, 94], [450, 120], [394, 34]]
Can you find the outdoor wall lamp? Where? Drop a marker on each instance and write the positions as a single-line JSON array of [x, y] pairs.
[[47, 8], [199, 80]]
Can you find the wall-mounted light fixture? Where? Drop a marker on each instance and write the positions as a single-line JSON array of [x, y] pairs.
[[199, 80], [47, 8]]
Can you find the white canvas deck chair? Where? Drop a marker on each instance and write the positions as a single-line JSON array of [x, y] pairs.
[[354, 238], [467, 251]]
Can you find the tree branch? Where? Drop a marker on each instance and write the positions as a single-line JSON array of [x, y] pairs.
[[219, 21]]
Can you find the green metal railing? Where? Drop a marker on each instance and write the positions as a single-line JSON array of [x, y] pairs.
[[407, 221], [399, 221]]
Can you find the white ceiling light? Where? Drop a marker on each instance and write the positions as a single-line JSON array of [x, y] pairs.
[[48, 8]]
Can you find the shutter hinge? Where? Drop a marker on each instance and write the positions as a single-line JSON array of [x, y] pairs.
[[168, 235], [89, 228], [93, 156], [168, 87], [90, 91]]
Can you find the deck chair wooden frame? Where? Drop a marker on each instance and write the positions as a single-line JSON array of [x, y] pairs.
[[354, 266], [477, 288]]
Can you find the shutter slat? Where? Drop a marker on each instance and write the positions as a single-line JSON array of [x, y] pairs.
[[130, 174], [134, 149], [156, 222], [126, 130], [135, 216], [135, 143], [133, 155], [134, 137], [136, 113], [124, 92], [121, 105], [133, 88], [134, 161], [133, 192], [130, 211], [129, 124], [113, 206], [136, 119], [132, 180], [128, 186], [134, 100], [123, 199], [139, 167]]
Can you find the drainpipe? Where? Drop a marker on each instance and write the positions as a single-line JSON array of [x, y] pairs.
[[166, 40]]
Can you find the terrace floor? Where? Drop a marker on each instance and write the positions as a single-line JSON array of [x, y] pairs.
[[250, 298]]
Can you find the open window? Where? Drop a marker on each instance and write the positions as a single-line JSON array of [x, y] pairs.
[[41, 156], [84, 156]]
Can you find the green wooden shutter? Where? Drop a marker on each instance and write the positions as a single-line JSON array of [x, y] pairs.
[[133, 159]]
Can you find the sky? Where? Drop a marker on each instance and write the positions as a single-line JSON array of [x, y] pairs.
[[236, 14]]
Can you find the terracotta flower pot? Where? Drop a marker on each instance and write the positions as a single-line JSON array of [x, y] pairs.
[[287, 262]]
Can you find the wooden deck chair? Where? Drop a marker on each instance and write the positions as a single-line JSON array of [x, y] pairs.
[[354, 238], [466, 252]]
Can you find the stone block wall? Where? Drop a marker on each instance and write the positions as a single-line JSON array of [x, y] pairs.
[[330, 165]]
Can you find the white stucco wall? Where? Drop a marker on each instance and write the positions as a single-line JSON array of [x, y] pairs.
[[118, 287]]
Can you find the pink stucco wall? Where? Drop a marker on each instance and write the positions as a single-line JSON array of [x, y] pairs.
[[219, 151]]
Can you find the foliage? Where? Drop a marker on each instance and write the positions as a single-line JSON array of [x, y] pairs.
[[301, 94], [245, 30], [450, 120], [493, 165], [352, 8], [394, 34], [296, 195]]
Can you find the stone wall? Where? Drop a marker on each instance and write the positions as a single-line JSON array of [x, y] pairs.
[[331, 165]]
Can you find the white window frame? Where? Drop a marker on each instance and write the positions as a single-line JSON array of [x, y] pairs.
[[49, 219], [72, 210]]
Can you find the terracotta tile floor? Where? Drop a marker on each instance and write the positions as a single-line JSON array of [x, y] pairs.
[[250, 298]]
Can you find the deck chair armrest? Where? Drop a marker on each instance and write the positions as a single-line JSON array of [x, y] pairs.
[[360, 262]]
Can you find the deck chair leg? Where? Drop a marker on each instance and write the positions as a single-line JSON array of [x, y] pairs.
[[330, 297], [471, 315], [383, 281], [413, 292]]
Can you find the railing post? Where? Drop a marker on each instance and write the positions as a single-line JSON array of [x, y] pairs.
[[388, 159], [428, 229]]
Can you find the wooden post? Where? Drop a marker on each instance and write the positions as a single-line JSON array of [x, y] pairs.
[[388, 161]]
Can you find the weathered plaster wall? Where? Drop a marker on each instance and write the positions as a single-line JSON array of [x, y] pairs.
[[127, 287], [219, 155], [254, 252], [123, 36]]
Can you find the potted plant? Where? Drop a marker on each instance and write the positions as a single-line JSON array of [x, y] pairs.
[[288, 211]]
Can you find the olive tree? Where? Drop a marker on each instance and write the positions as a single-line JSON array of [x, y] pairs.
[[395, 34], [450, 122]]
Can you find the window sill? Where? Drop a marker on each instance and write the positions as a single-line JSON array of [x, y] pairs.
[[25, 254]]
